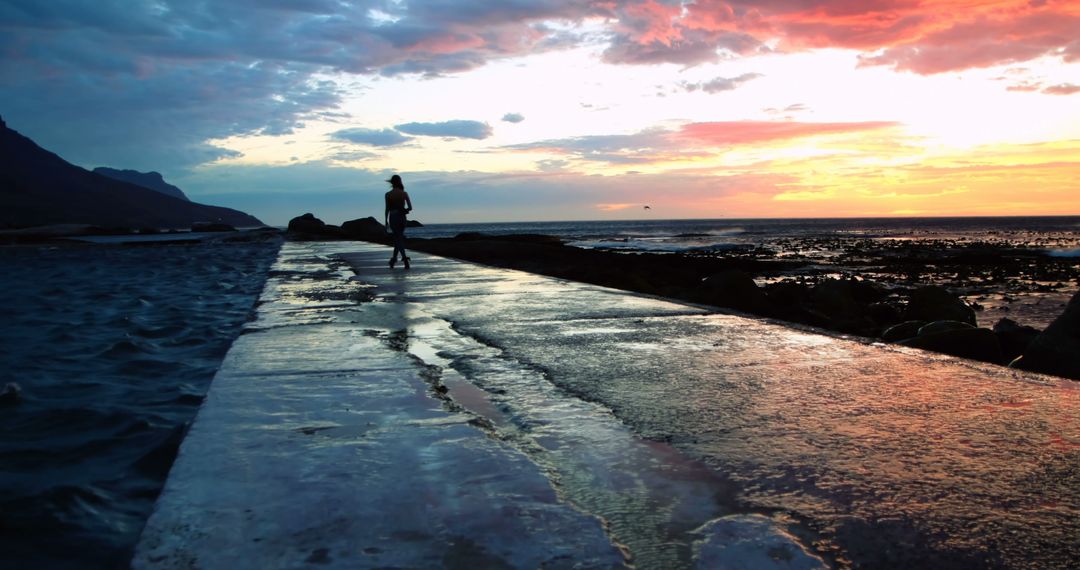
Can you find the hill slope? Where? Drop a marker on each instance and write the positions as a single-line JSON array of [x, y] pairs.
[[151, 180], [38, 187]]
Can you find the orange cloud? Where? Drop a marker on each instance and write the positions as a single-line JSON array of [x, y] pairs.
[[616, 207]]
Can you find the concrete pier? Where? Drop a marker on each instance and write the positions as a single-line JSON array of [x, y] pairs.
[[461, 416]]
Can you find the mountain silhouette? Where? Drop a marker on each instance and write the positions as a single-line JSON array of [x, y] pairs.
[[151, 180], [39, 188]]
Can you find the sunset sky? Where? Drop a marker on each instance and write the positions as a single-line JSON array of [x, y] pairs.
[[553, 110]]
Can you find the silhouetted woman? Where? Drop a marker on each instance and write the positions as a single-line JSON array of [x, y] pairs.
[[397, 205]]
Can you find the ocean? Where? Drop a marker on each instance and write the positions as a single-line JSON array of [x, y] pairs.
[[114, 346]]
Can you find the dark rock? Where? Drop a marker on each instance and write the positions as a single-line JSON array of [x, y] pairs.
[[363, 227], [943, 326], [883, 314], [10, 394], [538, 239], [628, 282], [835, 299], [787, 294], [1014, 337], [937, 304], [904, 330], [972, 343], [867, 291], [471, 236], [735, 289], [310, 226], [409, 224], [211, 227], [307, 223], [1057, 349], [265, 234]]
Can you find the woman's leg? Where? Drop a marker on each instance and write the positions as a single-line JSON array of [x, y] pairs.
[[396, 221], [399, 243]]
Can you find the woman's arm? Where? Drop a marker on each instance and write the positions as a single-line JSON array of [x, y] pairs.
[[408, 203]]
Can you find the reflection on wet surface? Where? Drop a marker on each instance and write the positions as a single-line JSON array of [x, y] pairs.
[[876, 456], [650, 497], [842, 434]]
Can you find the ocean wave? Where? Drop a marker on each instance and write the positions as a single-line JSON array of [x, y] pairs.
[[726, 232], [113, 363], [659, 245], [127, 349]]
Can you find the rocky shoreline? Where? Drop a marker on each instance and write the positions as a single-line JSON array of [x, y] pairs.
[[926, 294]]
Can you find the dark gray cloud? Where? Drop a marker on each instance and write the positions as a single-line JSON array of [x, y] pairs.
[[637, 148], [552, 165], [459, 129], [352, 155], [372, 137], [696, 48], [513, 117], [720, 83], [788, 111]]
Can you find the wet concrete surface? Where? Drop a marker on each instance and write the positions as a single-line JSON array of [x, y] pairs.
[[456, 414]]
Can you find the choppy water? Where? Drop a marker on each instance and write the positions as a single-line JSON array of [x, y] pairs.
[[114, 348]]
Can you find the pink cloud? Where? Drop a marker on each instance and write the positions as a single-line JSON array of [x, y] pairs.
[[982, 42], [911, 35], [748, 132], [1071, 52]]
